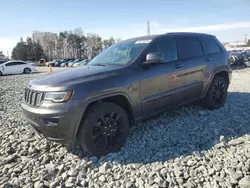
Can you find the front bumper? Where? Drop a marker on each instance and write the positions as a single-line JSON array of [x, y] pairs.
[[54, 121]]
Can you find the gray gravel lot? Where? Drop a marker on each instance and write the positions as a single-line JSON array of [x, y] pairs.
[[187, 147]]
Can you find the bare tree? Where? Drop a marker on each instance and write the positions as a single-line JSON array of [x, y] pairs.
[[70, 44], [108, 42], [94, 45]]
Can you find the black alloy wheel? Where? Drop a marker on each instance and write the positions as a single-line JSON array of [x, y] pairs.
[[219, 90], [217, 93], [107, 129], [104, 129]]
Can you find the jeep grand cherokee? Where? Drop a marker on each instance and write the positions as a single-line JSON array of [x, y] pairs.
[[130, 81]]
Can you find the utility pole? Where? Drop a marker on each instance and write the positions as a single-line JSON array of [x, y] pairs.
[[246, 38], [148, 27], [33, 38]]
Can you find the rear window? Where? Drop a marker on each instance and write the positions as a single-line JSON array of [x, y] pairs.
[[209, 46], [188, 47]]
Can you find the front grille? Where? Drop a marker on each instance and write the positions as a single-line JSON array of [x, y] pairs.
[[33, 98]]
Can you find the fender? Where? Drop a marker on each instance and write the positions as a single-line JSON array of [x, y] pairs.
[[221, 69], [2, 69], [84, 106]]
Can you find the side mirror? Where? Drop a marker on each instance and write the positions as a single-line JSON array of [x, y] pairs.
[[152, 58]]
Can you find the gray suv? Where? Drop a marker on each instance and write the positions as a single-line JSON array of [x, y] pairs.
[[128, 82]]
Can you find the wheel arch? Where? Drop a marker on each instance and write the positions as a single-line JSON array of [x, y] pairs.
[[26, 68], [222, 73], [120, 99]]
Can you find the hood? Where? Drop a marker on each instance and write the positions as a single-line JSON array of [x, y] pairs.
[[70, 77]]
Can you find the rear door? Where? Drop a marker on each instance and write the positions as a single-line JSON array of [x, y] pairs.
[[212, 53], [191, 55], [20, 66], [161, 84]]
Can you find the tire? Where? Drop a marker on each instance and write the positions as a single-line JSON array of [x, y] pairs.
[[1, 74], [92, 134], [217, 93], [26, 71]]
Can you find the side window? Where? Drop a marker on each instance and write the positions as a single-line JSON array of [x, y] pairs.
[[188, 47], [209, 46], [167, 47], [19, 63], [10, 64]]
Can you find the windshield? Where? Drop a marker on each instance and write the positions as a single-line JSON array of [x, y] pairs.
[[119, 53]]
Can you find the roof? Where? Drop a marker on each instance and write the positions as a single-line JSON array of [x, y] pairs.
[[16, 61], [147, 37], [151, 37], [188, 34]]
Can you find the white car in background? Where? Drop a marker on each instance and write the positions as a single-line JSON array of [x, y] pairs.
[[16, 67]]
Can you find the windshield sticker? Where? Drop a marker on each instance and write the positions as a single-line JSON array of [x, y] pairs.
[[142, 41]]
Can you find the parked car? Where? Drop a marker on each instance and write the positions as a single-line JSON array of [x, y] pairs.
[[58, 63], [73, 62], [130, 81], [62, 61], [65, 63], [80, 63], [51, 63], [16, 67], [238, 58]]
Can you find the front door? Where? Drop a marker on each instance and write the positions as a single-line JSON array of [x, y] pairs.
[[161, 84], [10, 68]]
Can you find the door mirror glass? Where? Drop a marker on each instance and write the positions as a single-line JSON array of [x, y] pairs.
[[154, 58]]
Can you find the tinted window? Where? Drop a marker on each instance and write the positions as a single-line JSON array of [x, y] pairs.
[[15, 63], [188, 47], [20, 63], [167, 47], [10, 64], [209, 46]]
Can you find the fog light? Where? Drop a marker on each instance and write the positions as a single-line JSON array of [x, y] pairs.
[[51, 121]]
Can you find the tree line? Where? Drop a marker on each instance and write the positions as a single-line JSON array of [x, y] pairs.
[[66, 44]]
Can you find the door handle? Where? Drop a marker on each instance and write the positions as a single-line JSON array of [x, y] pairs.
[[208, 59], [178, 66]]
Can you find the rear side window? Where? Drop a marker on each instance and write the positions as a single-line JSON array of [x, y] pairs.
[[209, 46], [167, 47], [188, 47], [20, 63]]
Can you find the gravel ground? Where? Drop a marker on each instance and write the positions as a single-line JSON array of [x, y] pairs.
[[187, 147]]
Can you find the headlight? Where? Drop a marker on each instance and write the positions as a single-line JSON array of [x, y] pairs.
[[58, 96]]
